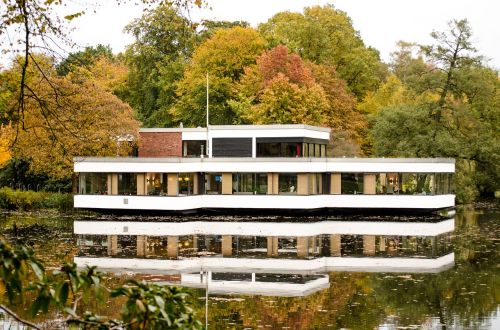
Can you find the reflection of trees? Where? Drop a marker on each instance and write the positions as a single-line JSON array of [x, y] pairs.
[[469, 290], [328, 306], [462, 296]]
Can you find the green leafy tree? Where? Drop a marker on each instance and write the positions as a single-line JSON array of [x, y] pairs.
[[223, 57], [325, 35], [209, 27], [454, 113], [164, 41], [85, 58]]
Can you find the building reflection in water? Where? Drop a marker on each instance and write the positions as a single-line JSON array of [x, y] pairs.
[[288, 259]]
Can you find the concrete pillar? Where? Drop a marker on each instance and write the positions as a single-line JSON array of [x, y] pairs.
[[303, 184], [335, 245], [272, 246], [142, 242], [335, 184], [114, 184], [272, 184], [112, 245], [141, 184], [173, 184], [369, 245], [227, 245], [172, 246], [276, 186], [227, 183], [302, 247], [369, 184]]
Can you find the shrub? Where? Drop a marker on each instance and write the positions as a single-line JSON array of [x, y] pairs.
[[31, 200]]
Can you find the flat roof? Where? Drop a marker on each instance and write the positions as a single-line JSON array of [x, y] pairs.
[[136, 160], [235, 127]]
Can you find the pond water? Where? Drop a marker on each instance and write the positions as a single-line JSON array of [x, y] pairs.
[[290, 273]]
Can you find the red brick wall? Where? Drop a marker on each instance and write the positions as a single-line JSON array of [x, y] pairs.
[[161, 144]]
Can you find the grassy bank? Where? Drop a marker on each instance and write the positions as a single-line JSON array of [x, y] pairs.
[[34, 200]]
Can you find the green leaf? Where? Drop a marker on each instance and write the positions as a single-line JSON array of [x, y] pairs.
[[63, 293]]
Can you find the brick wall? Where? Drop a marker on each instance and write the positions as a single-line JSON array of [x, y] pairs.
[[161, 144]]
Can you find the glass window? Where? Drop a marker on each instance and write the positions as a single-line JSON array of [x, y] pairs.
[[156, 184], [305, 151], [388, 183], [351, 183], [287, 183], [250, 183], [290, 149], [268, 149], [316, 184], [187, 184], [311, 149], [317, 150], [323, 150], [194, 148], [444, 183], [93, 184], [213, 183], [127, 184]]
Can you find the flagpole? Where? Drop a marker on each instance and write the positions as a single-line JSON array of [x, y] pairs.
[[208, 122]]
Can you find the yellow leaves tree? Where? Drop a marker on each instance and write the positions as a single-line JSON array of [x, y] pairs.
[[391, 93], [224, 57], [65, 118], [284, 102]]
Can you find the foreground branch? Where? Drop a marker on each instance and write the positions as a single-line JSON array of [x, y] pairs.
[[18, 319]]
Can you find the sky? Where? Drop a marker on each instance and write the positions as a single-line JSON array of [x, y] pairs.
[[381, 23]]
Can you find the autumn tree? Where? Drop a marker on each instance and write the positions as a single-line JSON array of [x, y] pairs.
[[223, 57], [283, 88], [325, 35], [66, 117]]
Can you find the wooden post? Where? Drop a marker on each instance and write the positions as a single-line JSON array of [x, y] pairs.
[[369, 184], [114, 184], [172, 246], [173, 184], [141, 184], [112, 245], [303, 184], [142, 242], [272, 246], [227, 183], [227, 245], [335, 245], [335, 185], [369, 245], [302, 247]]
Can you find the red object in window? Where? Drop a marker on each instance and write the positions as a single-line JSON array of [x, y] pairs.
[[298, 150]]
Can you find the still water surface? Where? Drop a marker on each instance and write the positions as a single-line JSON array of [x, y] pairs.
[[315, 273]]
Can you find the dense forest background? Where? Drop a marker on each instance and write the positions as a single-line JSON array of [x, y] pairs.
[[437, 100]]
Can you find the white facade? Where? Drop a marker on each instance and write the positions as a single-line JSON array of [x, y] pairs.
[[264, 202], [265, 165]]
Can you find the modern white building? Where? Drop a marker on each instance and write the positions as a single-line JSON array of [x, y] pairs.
[[263, 168]]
